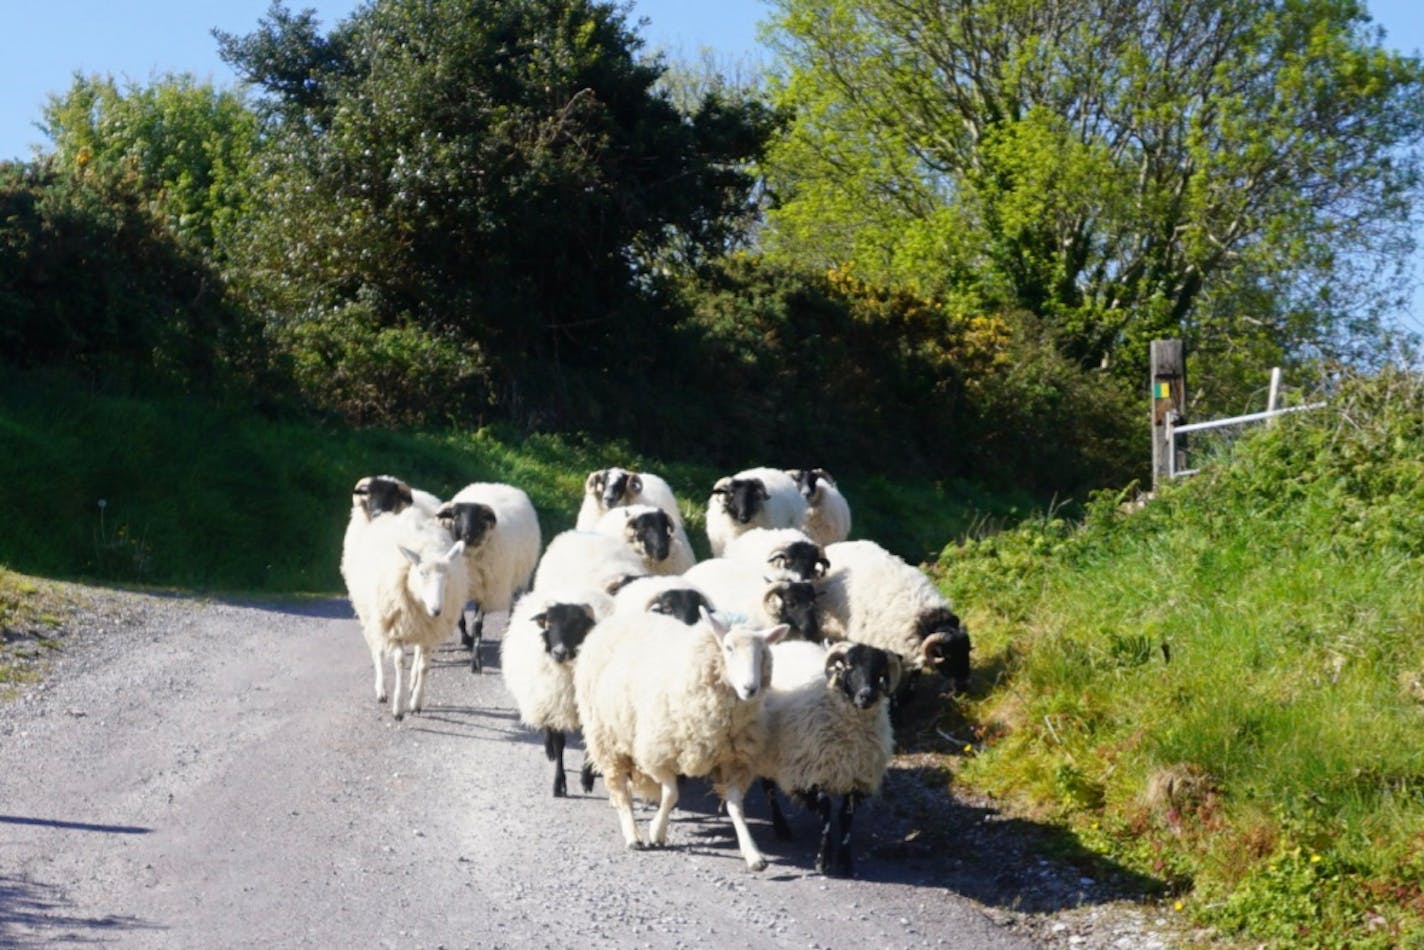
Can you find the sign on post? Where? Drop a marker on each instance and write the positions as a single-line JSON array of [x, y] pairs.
[[1169, 400]]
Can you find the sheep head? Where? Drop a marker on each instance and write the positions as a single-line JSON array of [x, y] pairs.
[[563, 627], [861, 673], [741, 497], [378, 494], [794, 603], [945, 648], [746, 654], [682, 603], [468, 521], [428, 576], [808, 479], [649, 531], [804, 560]]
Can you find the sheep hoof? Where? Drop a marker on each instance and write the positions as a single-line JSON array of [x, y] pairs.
[[399, 716], [758, 865], [636, 846]]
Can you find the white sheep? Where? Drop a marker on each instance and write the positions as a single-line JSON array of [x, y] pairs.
[[406, 594], [828, 734], [537, 657], [827, 512], [668, 594], [742, 588], [500, 529], [609, 488], [780, 552], [576, 559], [659, 699], [753, 498], [652, 535], [872, 596]]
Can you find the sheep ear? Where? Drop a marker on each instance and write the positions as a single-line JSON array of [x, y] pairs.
[[363, 487], [776, 633], [777, 559], [823, 564], [835, 659], [719, 628], [721, 486], [762, 493], [635, 484], [542, 619], [594, 481], [456, 549], [897, 669], [446, 512], [410, 555]]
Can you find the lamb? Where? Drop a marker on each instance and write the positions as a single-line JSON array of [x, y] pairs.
[[828, 512], [742, 588], [400, 579], [500, 529], [671, 595], [587, 559], [872, 596], [828, 733], [537, 655], [648, 531], [783, 552], [753, 498], [609, 488], [659, 699]]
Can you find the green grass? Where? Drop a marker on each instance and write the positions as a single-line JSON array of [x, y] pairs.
[[1225, 689], [179, 493]]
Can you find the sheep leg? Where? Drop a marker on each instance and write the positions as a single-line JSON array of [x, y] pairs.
[[822, 803], [778, 817], [554, 749], [586, 776], [845, 861], [753, 857], [476, 638], [621, 798], [420, 665], [378, 660], [657, 828], [397, 655]]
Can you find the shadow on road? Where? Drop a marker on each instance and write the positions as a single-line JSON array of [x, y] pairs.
[[74, 825], [33, 914]]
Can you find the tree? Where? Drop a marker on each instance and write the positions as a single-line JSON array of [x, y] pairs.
[[498, 172], [1123, 168], [188, 146]]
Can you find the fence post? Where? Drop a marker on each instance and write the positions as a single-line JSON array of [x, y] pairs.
[[1273, 398], [1169, 384]]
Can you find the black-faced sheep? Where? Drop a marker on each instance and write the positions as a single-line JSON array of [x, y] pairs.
[[500, 529], [658, 699], [780, 552], [671, 595], [609, 488], [872, 596], [537, 658], [828, 734], [743, 588], [827, 511], [753, 498], [652, 535]]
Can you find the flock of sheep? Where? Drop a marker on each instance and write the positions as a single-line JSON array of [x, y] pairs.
[[778, 659]]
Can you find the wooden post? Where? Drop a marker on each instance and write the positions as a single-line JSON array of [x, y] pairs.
[[1273, 399], [1169, 385]]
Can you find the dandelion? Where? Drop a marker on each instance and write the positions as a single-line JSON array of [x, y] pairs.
[[1315, 859], [1178, 905]]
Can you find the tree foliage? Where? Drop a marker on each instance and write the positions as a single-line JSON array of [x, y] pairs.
[[189, 147], [1236, 172], [499, 174]]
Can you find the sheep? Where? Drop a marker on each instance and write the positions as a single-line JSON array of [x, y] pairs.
[[500, 529], [827, 512], [649, 532], [400, 579], [537, 655], [663, 594], [782, 552], [753, 498], [609, 488], [872, 596], [742, 588], [828, 733], [587, 559], [659, 699]]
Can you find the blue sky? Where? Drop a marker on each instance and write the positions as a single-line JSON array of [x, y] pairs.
[[42, 48]]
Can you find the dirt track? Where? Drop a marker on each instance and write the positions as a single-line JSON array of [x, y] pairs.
[[192, 773]]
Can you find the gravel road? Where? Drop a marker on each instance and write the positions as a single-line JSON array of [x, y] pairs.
[[195, 773]]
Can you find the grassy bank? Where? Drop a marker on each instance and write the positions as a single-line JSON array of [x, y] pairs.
[[173, 492], [1224, 690]]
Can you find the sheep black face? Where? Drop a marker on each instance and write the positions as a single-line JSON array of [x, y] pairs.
[[618, 483], [742, 497], [379, 494], [470, 522], [803, 559], [946, 651], [683, 604], [863, 674], [806, 479], [651, 533], [564, 627], [794, 603]]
